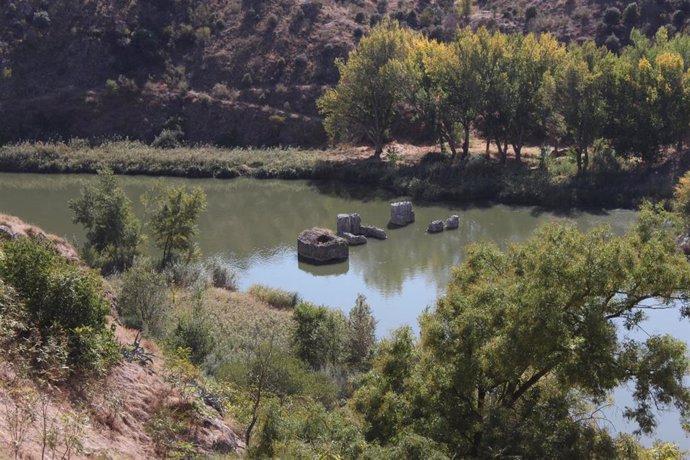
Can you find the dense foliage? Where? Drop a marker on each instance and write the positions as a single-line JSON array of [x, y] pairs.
[[57, 307], [113, 233], [515, 89]]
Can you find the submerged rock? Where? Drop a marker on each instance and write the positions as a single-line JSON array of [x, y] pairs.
[[401, 213], [374, 232], [435, 227], [318, 245], [453, 222]]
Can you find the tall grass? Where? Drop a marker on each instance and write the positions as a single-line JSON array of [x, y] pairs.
[[277, 298]]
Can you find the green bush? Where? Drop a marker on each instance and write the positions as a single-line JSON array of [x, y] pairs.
[[275, 297], [221, 275], [194, 331], [168, 139], [62, 301], [320, 336], [143, 300]]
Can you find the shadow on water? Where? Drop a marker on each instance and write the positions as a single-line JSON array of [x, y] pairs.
[[350, 191], [335, 269]]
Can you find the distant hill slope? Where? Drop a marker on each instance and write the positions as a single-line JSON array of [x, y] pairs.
[[229, 72]]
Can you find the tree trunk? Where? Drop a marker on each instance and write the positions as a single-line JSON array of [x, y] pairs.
[[502, 150], [586, 160], [378, 149], [452, 146], [466, 142], [488, 147], [578, 158]]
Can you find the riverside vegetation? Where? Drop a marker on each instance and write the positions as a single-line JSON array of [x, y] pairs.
[[482, 378], [610, 129]]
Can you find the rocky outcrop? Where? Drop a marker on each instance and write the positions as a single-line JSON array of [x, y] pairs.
[[374, 232], [321, 246], [435, 227], [453, 222], [401, 214]]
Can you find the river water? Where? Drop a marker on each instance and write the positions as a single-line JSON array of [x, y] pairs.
[[254, 224]]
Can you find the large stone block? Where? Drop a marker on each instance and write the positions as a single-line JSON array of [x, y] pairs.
[[453, 222], [435, 227], [320, 246], [349, 223], [401, 213]]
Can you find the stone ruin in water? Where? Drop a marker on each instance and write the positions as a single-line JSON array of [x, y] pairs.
[[401, 214], [321, 246], [350, 227]]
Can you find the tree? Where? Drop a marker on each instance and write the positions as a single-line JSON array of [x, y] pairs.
[[361, 332], [174, 211], [113, 233], [519, 353], [465, 8], [143, 300], [579, 98], [320, 336], [366, 99]]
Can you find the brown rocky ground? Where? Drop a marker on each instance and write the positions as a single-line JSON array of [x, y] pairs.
[[109, 417]]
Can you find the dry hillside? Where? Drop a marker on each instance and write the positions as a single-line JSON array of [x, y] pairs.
[[229, 72]]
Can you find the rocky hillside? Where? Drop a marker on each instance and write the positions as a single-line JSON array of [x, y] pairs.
[[144, 406], [232, 72]]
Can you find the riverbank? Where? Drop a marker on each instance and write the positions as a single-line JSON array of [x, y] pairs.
[[412, 171]]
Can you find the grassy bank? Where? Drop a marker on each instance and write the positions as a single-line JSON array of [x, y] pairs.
[[554, 183]]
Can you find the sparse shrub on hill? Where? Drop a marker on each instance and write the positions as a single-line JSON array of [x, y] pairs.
[[143, 300], [63, 302]]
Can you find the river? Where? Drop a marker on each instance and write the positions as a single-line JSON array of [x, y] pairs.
[[254, 224]]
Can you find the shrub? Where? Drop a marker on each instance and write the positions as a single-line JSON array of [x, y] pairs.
[[221, 274], [168, 139], [277, 298], [359, 18], [60, 298], [111, 87], [272, 21], [247, 79], [612, 16], [143, 301], [185, 275], [613, 43], [530, 13], [320, 336], [41, 19], [631, 14], [194, 331]]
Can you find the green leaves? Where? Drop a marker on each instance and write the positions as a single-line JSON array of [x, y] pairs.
[[174, 211], [113, 233], [524, 338]]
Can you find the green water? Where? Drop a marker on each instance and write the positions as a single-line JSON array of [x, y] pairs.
[[255, 225]]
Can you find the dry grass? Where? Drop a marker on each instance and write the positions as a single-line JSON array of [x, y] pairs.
[[277, 298], [20, 228]]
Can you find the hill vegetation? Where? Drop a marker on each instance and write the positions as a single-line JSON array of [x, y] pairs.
[[236, 72]]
